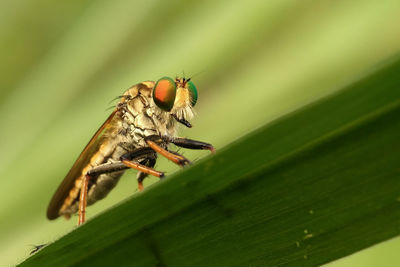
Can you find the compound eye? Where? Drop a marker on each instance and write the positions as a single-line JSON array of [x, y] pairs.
[[164, 93], [193, 93]]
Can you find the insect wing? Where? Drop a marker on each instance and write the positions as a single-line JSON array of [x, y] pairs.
[[76, 170]]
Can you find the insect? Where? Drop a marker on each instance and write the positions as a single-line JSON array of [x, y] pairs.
[[142, 125]]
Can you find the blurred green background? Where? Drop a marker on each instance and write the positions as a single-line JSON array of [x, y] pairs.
[[62, 62]]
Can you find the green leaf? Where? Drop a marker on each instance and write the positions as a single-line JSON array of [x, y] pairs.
[[309, 188]]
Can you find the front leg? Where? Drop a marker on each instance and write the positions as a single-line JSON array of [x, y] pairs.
[[155, 141], [172, 156], [189, 143]]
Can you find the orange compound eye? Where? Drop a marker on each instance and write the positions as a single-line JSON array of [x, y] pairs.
[[164, 93]]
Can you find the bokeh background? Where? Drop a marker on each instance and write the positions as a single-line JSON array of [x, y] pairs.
[[63, 62]]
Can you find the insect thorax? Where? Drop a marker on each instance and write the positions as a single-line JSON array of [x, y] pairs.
[[141, 118]]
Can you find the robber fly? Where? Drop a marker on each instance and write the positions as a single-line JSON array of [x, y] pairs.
[[141, 126]]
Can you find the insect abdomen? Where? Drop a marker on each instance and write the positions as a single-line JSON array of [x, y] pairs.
[[99, 187]]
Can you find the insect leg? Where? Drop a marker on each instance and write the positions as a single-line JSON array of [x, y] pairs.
[[93, 173], [174, 157], [138, 153], [119, 165], [141, 175], [142, 168], [130, 160], [112, 167], [122, 165], [107, 168], [189, 143], [83, 199], [148, 161]]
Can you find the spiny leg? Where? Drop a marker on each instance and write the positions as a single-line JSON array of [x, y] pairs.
[[131, 160], [124, 164], [174, 157], [112, 167], [141, 175], [83, 199], [139, 153], [119, 165], [107, 168], [143, 168], [189, 143]]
